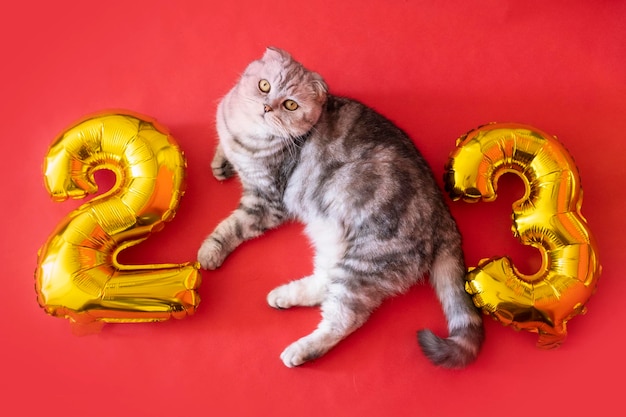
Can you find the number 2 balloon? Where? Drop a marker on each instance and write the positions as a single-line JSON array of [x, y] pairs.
[[547, 217], [78, 276]]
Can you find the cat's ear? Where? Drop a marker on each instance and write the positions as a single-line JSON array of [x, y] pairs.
[[319, 86], [274, 53]]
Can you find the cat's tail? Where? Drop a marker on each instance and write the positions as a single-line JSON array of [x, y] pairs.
[[465, 324]]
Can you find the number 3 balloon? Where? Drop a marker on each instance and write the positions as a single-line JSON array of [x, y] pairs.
[[547, 217], [78, 276]]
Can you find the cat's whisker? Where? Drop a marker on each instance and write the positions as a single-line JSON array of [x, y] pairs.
[[286, 138]]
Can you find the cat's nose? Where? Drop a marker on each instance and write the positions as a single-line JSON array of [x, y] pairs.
[[267, 108]]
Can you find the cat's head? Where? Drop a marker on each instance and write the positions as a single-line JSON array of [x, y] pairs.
[[280, 96]]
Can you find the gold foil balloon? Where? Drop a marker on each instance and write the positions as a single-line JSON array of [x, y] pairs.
[[548, 217], [78, 276]]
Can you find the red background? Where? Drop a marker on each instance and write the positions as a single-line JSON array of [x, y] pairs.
[[438, 69]]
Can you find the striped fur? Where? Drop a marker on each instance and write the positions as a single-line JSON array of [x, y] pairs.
[[368, 199]]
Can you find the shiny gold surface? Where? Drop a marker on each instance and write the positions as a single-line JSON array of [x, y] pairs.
[[548, 217], [78, 276]]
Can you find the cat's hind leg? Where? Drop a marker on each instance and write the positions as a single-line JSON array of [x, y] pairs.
[[342, 314], [307, 292], [311, 291]]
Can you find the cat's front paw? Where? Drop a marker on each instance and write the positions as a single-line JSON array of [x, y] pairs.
[[221, 167], [223, 171], [211, 254]]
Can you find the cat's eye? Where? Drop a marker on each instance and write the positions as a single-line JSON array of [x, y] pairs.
[[290, 105], [264, 86]]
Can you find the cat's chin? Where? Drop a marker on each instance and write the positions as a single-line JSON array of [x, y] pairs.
[[265, 131]]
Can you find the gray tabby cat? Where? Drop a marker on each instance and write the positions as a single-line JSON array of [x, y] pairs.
[[368, 199]]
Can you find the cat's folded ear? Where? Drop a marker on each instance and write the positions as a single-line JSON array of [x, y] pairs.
[[271, 52], [319, 86]]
